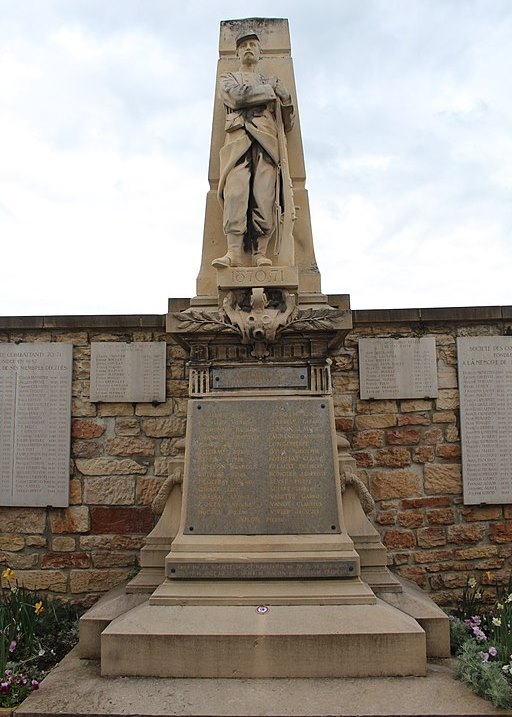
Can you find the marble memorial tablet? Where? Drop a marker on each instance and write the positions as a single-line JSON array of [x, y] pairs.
[[398, 368], [133, 372], [485, 388], [35, 423], [261, 466]]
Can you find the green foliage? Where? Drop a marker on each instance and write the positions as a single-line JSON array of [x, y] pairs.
[[471, 600], [459, 633], [35, 634], [486, 678]]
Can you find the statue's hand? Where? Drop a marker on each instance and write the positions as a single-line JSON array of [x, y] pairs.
[[279, 89]]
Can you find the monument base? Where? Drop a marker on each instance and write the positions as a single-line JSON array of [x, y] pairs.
[[245, 642]]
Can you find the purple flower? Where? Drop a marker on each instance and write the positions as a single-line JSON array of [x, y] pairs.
[[12, 646], [484, 656], [493, 651], [4, 688], [35, 684]]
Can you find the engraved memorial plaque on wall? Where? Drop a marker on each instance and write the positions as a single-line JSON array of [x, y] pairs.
[[261, 466], [398, 368], [485, 388], [35, 423], [128, 372]]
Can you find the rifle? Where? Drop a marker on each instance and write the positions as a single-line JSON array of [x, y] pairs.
[[285, 209]]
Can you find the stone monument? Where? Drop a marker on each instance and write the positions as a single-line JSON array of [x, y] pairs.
[[263, 563]]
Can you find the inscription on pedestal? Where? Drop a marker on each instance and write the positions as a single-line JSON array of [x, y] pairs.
[[132, 372], [261, 466], [398, 368], [260, 377], [35, 421], [283, 277], [283, 570], [485, 388]]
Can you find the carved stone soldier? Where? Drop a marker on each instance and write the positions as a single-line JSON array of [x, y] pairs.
[[258, 112]]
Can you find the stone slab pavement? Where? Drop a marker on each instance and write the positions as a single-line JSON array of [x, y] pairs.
[[76, 689]]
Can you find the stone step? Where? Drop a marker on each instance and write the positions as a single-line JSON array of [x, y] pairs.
[[282, 641]]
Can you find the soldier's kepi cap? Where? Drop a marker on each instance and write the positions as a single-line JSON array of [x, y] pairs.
[[244, 34]]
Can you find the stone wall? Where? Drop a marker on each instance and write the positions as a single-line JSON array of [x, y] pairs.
[[408, 453]]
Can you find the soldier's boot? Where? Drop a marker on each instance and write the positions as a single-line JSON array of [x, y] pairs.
[[233, 256], [259, 257]]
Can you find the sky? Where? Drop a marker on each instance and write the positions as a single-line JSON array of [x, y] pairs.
[[105, 121]]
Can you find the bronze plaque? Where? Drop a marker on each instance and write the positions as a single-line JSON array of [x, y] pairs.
[[283, 570], [261, 466], [260, 377]]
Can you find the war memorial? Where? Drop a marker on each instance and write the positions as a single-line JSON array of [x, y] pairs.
[[289, 474]]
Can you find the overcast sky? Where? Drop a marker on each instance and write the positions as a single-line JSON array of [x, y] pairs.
[[105, 120]]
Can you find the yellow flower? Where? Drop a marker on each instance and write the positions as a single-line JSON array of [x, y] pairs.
[[38, 608], [488, 575], [8, 574]]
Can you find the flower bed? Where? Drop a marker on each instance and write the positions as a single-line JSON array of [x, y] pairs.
[[35, 634], [481, 638]]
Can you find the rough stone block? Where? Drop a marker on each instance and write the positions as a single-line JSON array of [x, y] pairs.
[[363, 459], [163, 427], [415, 405], [386, 517], [385, 420], [147, 489], [443, 478], [109, 559], [109, 466], [81, 428], [65, 560], [441, 516], [433, 436], [53, 580], [115, 409], [410, 519], [487, 551], [344, 424], [111, 542], [115, 490], [161, 409], [483, 512], [82, 581], [423, 454], [463, 534], [399, 539], [82, 407], [23, 520], [127, 427], [432, 556], [86, 449], [378, 406], [500, 532], [61, 544], [448, 399], [448, 451], [437, 502], [444, 417], [403, 437], [431, 537], [121, 520], [130, 446], [69, 520], [393, 457], [368, 439], [414, 419], [394, 484], [12, 542]]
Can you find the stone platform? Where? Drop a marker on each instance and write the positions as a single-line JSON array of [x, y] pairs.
[[279, 641], [76, 689]]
